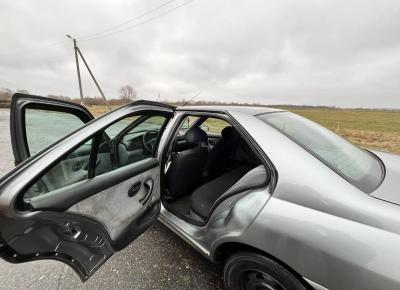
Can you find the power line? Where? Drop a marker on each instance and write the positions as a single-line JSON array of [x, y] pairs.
[[40, 47], [127, 21], [106, 32], [140, 23]]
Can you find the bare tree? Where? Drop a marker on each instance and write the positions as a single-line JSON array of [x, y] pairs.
[[5, 94], [127, 94]]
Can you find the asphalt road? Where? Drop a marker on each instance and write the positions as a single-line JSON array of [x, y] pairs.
[[156, 260]]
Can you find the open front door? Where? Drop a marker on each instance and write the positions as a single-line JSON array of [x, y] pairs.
[[87, 195], [37, 122]]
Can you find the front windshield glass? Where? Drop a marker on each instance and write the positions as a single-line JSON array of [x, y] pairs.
[[357, 166]]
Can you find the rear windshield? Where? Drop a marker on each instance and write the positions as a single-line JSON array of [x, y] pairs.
[[359, 167]]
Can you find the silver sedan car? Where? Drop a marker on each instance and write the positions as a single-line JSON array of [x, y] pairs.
[[283, 202]]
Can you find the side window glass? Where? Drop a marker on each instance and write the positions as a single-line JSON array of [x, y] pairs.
[[71, 169], [45, 127], [214, 125], [119, 146], [117, 128], [135, 144], [186, 124]]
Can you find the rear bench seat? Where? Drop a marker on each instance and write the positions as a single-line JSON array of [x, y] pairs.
[[238, 180]]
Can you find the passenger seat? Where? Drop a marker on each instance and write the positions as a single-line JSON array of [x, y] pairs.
[[184, 172]]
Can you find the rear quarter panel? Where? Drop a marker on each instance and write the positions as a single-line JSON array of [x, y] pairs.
[[320, 225], [334, 252]]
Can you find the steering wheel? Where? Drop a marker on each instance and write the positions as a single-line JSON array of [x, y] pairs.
[[149, 140]]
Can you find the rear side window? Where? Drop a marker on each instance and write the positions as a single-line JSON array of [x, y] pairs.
[[186, 124], [214, 125], [357, 166]]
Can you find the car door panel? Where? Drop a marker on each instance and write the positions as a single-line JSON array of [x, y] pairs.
[[65, 197], [82, 223], [78, 241], [125, 208]]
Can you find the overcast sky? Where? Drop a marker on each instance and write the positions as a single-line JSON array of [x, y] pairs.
[[315, 52]]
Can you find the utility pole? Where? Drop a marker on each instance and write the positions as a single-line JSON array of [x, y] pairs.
[[94, 79], [77, 69], [78, 51]]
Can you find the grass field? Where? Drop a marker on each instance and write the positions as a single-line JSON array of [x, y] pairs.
[[374, 129]]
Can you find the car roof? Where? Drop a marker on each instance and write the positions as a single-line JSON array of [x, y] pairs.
[[251, 110]]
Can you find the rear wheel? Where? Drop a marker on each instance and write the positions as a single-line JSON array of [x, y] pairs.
[[252, 271]]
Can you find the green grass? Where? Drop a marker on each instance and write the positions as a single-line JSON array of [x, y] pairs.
[[362, 120], [375, 129]]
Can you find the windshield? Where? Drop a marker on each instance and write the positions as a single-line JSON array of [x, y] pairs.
[[357, 166]]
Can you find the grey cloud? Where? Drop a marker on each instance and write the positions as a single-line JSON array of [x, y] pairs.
[[334, 52]]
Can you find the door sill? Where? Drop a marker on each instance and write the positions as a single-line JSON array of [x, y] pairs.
[[184, 230]]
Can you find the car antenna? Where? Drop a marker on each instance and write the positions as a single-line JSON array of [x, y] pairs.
[[187, 102]]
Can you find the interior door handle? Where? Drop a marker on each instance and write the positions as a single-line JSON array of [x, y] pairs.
[[148, 185], [134, 189]]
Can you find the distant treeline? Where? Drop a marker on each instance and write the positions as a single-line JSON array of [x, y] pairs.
[[6, 94], [189, 102]]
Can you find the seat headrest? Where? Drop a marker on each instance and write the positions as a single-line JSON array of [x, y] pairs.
[[229, 132], [195, 135]]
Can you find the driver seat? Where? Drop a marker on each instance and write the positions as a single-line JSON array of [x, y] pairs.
[[184, 172]]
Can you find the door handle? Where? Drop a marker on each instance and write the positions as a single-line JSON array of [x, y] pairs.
[[148, 185], [134, 189]]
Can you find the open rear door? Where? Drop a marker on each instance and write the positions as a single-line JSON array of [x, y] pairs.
[[37, 122], [89, 193]]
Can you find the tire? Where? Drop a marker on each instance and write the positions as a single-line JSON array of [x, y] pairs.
[[248, 270]]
